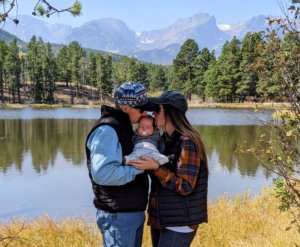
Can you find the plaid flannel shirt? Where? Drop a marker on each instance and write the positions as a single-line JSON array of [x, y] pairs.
[[183, 180]]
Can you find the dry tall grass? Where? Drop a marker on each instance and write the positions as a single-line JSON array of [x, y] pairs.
[[240, 221], [247, 222]]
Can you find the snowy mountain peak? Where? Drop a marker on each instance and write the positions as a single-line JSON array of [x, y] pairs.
[[223, 26], [157, 46]]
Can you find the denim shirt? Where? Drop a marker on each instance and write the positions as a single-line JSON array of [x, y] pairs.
[[107, 167]]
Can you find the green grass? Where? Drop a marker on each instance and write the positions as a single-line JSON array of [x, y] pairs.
[[239, 221]]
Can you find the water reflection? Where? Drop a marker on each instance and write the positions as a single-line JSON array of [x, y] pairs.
[[43, 165], [43, 139], [223, 142]]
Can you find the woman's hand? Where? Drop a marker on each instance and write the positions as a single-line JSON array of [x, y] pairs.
[[144, 163]]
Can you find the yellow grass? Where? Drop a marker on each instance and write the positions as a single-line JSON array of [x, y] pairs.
[[240, 221], [287, 113], [247, 222]]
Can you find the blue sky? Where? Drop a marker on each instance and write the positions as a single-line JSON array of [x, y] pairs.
[[142, 15]]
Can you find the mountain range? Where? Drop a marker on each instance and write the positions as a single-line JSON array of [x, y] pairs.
[[156, 46]]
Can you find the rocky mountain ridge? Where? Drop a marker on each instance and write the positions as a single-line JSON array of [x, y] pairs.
[[156, 46]]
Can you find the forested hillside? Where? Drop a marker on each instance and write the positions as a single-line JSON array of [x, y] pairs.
[[36, 73], [7, 37]]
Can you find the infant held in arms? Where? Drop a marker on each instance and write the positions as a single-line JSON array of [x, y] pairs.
[[147, 142]]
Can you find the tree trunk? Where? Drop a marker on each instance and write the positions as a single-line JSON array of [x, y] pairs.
[[71, 95], [1, 92], [19, 95]]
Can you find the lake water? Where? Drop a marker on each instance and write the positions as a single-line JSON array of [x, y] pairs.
[[43, 165]]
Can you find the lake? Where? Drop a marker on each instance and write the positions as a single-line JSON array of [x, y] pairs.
[[43, 165]]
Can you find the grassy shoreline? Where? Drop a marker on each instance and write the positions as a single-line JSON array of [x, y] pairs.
[[192, 104], [239, 221]]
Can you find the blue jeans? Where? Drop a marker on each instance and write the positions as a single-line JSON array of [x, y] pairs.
[[166, 238], [121, 229]]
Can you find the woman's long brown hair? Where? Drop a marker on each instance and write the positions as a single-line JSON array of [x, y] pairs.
[[183, 126]]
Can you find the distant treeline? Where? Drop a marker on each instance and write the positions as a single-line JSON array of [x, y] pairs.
[[235, 75]]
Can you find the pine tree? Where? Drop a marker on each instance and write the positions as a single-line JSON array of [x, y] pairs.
[[200, 66], [229, 66], [109, 84], [76, 54], [268, 87], [183, 67], [211, 77], [143, 75], [122, 71], [12, 68], [158, 79], [249, 78], [3, 52], [34, 67], [49, 74], [83, 72], [92, 72], [26, 91], [100, 74], [105, 82], [134, 72], [127, 69], [63, 61]]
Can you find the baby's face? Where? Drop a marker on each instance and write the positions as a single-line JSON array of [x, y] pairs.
[[145, 127]]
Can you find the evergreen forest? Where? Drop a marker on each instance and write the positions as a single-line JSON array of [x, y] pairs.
[[34, 73]]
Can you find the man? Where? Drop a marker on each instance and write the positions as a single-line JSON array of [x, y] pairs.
[[121, 191]]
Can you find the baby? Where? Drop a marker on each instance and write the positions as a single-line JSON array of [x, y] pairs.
[[147, 141]]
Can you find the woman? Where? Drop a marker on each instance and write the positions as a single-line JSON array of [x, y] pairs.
[[178, 198]]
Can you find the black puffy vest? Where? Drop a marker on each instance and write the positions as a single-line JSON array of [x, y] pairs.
[[173, 208], [132, 196]]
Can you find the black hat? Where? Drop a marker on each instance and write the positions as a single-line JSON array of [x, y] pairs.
[[172, 98], [149, 106]]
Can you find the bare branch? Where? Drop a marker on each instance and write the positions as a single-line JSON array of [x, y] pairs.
[[9, 5]]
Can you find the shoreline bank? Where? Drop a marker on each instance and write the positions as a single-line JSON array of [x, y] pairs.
[[191, 104]]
